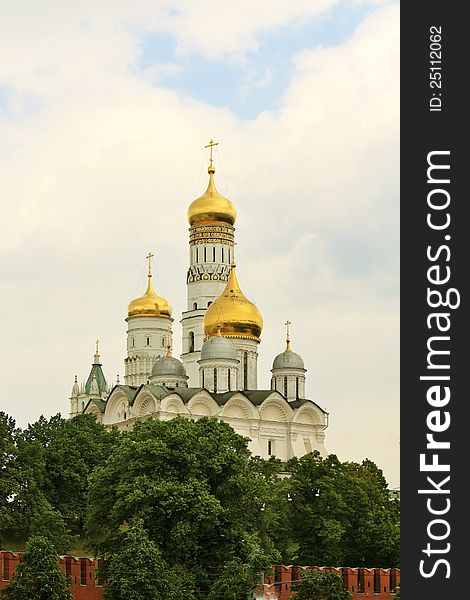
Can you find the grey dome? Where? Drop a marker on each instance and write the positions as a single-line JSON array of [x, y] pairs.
[[168, 365], [218, 347], [288, 360]]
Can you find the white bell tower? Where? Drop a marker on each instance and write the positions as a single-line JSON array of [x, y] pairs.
[[211, 238]]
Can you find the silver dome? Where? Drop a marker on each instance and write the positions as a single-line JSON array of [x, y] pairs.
[[288, 360], [168, 365], [218, 347]]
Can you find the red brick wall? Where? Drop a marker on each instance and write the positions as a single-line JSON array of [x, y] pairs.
[[379, 584], [82, 571], [376, 584]]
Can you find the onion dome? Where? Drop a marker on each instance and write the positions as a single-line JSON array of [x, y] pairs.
[[218, 347], [150, 304], [236, 315], [211, 207], [168, 365], [288, 359]]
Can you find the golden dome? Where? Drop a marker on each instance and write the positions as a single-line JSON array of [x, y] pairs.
[[232, 314], [211, 207], [149, 305]]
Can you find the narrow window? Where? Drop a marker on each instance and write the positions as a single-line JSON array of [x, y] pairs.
[[245, 370], [202, 378], [133, 342], [297, 388], [285, 387], [205, 254], [270, 448], [222, 254], [228, 381], [215, 381], [68, 566], [148, 341], [163, 341], [197, 254], [209, 303], [229, 255], [6, 568], [83, 571], [213, 254], [195, 306], [99, 572], [191, 341]]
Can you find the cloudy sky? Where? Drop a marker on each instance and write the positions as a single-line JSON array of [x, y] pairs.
[[105, 108]]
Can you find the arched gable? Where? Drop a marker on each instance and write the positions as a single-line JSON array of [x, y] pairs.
[[275, 408], [117, 407], [144, 404], [240, 407], [92, 409], [174, 404], [309, 414], [203, 405]]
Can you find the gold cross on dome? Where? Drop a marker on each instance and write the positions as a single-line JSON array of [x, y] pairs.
[[287, 323], [97, 346], [210, 145], [149, 258]]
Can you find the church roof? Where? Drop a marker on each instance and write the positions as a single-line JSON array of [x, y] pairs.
[[100, 379], [256, 397]]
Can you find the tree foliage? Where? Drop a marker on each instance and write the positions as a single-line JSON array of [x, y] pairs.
[[321, 585], [192, 485], [136, 570], [341, 513], [38, 575]]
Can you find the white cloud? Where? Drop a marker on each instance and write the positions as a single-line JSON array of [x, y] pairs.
[[104, 167]]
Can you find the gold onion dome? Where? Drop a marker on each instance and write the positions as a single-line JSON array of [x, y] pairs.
[[211, 207], [150, 304], [232, 314]]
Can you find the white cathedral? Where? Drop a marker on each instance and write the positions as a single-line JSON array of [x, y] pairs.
[[217, 373]]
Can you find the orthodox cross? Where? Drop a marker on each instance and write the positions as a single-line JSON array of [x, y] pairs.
[[210, 145], [287, 323], [149, 258], [97, 345]]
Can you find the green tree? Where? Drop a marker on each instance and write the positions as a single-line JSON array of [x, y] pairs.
[[233, 583], [341, 513], [136, 570], [39, 575], [192, 485], [321, 585], [48, 477], [8, 486]]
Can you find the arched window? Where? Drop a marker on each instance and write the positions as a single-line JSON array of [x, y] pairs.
[[148, 341], [195, 306], [228, 380], [270, 448], [297, 387], [245, 370], [215, 381], [285, 387], [202, 378], [191, 341], [209, 303]]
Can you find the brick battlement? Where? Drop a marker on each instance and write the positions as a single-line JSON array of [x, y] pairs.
[[379, 584]]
